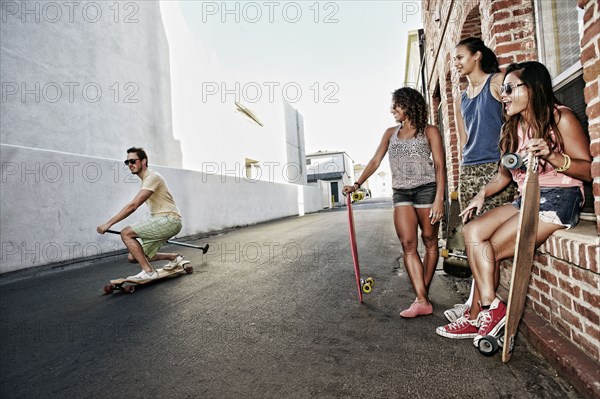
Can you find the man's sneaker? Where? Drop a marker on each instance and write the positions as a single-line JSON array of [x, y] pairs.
[[491, 321], [143, 276], [174, 263], [417, 309], [459, 310], [459, 329]]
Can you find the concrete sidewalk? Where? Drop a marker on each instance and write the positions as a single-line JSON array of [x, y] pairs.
[[270, 311]]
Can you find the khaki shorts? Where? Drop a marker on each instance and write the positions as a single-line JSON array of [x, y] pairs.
[[154, 232], [473, 178]]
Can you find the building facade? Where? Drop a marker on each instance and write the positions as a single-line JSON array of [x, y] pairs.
[[334, 167], [565, 36]]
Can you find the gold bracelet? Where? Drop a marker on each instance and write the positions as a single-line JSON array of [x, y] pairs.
[[566, 164]]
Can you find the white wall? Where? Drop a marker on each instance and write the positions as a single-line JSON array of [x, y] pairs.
[[51, 203], [87, 77]]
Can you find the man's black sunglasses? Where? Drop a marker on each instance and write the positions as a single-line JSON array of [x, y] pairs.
[[133, 160]]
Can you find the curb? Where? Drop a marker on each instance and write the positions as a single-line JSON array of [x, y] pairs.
[[571, 362]]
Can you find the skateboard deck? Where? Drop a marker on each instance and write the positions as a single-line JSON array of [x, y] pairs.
[[523, 260], [128, 286], [455, 257], [362, 285]]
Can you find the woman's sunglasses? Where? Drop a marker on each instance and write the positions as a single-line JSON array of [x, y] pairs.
[[509, 87]]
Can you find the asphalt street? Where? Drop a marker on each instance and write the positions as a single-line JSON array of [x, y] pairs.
[[270, 311]]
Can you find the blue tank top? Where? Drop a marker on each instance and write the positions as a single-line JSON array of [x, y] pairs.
[[482, 115]]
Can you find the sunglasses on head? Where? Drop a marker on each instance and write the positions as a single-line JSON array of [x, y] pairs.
[[509, 87], [131, 161]]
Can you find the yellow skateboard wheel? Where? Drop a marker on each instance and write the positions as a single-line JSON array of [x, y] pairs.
[[370, 281], [454, 195], [366, 288], [445, 253], [357, 196]]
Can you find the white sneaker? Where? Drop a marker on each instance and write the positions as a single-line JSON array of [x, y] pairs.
[[456, 312], [174, 263], [143, 276]]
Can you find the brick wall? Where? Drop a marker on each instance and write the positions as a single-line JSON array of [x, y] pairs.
[[590, 59], [566, 276]]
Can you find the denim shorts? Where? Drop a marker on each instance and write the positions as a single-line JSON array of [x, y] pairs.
[[558, 205], [418, 197]]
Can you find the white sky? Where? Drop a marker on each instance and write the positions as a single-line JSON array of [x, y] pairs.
[[346, 57]]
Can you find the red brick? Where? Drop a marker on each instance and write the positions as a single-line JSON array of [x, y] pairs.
[[502, 15], [587, 313], [594, 256], [542, 286], [591, 31], [587, 16], [588, 53], [550, 278], [506, 38], [547, 302], [591, 297], [570, 318], [587, 346], [585, 276], [560, 297], [541, 310], [562, 267], [592, 331], [595, 172], [501, 5], [563, 327], [591, 70], [568, 287], [523, 11], [595, 146]]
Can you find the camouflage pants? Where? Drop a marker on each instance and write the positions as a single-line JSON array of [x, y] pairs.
[[473, 178]]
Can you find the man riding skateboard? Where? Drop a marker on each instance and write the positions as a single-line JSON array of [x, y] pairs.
[[165, 221]]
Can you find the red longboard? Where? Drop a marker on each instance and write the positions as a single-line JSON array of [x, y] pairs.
[[362, 285]]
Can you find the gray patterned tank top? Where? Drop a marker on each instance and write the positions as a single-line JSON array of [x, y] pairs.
[[410, 161]]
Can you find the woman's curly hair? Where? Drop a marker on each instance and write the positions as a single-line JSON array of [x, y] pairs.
[[414, 105]]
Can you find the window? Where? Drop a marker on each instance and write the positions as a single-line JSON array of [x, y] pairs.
[[560, 27]]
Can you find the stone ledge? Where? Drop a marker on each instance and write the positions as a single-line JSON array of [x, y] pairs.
[[571, 362]]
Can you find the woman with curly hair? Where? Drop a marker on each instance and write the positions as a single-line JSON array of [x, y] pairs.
[[419, 184], [539, 125]]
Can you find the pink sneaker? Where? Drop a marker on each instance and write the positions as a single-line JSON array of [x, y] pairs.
[[417, 309], [491, 321], [459, 329]]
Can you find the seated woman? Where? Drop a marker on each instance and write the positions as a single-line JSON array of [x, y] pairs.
[[538, 124]]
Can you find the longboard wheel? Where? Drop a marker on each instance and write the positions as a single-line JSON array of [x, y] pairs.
[[366, 288], [370, 281], [454, 195], [188, 269], [445, 253], [512, 161], [108, 288], [488, 345], [129, 289]]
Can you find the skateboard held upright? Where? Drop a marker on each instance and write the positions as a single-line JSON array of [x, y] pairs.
[[523, 258], [363, 285], [524, 252]]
